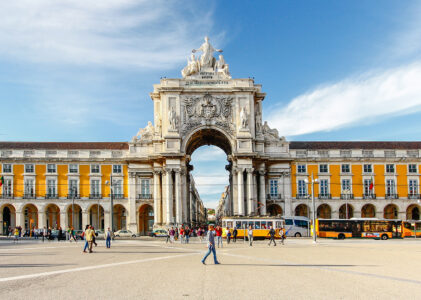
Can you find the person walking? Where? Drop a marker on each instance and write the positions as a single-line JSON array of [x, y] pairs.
[[182, 235], [272, 233], [282, 235], [199, 234], [234, 235], [86, 241], [94, 237], [108, 236], [168, 236], [218, 231], [187, 235], [211, 246], [172, 234], [90, 233], [16, 235], [228, 235], [44, 233], [250, 235]]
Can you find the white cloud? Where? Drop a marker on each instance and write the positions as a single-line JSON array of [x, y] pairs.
[[142, 34], [358, 99]]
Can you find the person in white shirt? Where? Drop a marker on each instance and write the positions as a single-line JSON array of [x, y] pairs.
[[250, 235], [108, 236]]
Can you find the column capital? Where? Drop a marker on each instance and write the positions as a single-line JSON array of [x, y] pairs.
[[177, 171], [249, 170], [262, 172], [157, 171], [167, 170]]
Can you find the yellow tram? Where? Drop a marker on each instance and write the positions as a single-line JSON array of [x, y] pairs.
[[260, 225]]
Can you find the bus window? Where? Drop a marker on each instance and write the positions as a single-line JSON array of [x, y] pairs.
[[257, 224], [244, 224], [229, 224], [264, 225], [224, 224], [300, 223], [238, 224], [270, 223], [278, 224], [288, 222], [251, 223]]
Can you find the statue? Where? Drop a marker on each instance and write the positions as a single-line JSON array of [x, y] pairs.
[[193, 66], [158, 124], [244, 117], [222, 67], [144, 133], [172, 118], [206, 59], [270, 133], [258, 121]]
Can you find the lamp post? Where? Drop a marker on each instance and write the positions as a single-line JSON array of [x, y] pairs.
[[313, 181], [110, 183], [73, 205], [346, 192]]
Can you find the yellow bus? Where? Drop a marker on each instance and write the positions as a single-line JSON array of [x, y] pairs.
[[359, 228], [260, 225], [408, 228]]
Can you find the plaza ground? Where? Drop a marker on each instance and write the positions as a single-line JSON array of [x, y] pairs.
[[150, 269]]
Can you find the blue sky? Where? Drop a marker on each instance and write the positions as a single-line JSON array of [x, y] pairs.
[[332, 70]]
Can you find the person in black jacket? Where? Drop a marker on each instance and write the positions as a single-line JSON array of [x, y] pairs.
[[272, 236], [234, 234]]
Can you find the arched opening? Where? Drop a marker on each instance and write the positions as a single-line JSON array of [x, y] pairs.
[[413, 212], [96, 216], [74, 219], [391, 211], [52, 216], [30, 214], [368, 211], [8, 212], [324, 212], [145, 219], [274, 210], [119, 216], [302, 210], [346, 211]]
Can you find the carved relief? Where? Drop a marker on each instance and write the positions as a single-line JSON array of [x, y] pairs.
[[144, 133]]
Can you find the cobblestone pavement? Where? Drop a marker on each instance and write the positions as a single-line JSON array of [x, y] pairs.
[[151, 269]]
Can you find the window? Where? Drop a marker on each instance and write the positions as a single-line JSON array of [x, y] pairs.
[[346, 185], [73, 187], [95, 169], [51, 168], [95, 187], [367, 183], [29, 168], [117, 187], [413, 187], [29, 187], [390, 187], [323, 168], [346, 168], [301, 169], [273, 187], [301, 223], [368, 169], [73, 168], [302, 188], [390, 168], [7, 168], [412, 168], [51, 188], [117, 169], [145, 190], [7, 188], [324, 187]]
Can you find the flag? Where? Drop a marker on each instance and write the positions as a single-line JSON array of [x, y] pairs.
[[1, 181], [371, 184]]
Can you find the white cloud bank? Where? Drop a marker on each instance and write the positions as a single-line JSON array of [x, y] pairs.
[[359, 99], [147, 34]]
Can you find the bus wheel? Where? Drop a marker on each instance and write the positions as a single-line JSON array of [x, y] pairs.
[[384, 237], [341, 236], [297, 234]]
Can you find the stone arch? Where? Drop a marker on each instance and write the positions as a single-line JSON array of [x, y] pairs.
[[208, 135], [324, 211], [75, 218], [30, 216], [368, 211], [52, 215], [413, 212], [274, 210], [7, 217], [343, 209], [96, 216], [391, 211], [146, 219], [302, 210], [120, 217]]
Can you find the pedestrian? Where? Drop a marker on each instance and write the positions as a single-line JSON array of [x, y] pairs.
[[282, 235], [234, 235], [272, 236], [218, 231], [94, 237], [172, 234], [84, 237], [16, 235], [60, 233], [168, 236], [72, 234], [211, 246], [49, 236], [90, 233], [182, 235], [228, 235], [108, 236], [187, 235], [200, 234], [44, 233], [250, 235], [10, 231]]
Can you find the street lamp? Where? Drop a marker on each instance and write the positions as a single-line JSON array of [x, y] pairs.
[[73, 205], [313, 181], [347, 193], [110, 183]]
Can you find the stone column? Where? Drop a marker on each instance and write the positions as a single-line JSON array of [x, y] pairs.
[[157, 197], [287, 194], [250, 204], [234, 195], [178, 207], [240, 191], [107, 221], [63, 220], [262, 191], [132, 224], [20, 221], [41, 218], [85, 219], [184, 196], [168, 195]]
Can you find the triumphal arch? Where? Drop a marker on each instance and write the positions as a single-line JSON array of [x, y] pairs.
[[209, 107]]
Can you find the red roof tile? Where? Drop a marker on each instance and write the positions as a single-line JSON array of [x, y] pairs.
[[65, 145], [354, 145]]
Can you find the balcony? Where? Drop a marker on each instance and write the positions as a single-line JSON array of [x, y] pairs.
[[117, 196], [95, 196], [51, 196], [273, 197], [324, 196], [298, 197], [71, 196], [391, 196], [144, 196], [28, 196], [369, 196], [7, 196], [347, 196], [414, 196]]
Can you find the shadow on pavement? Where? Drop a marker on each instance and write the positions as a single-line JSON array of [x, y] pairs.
[[33, 265], [296, 265]]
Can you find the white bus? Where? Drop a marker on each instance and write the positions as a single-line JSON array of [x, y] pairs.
[[297, 226]]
